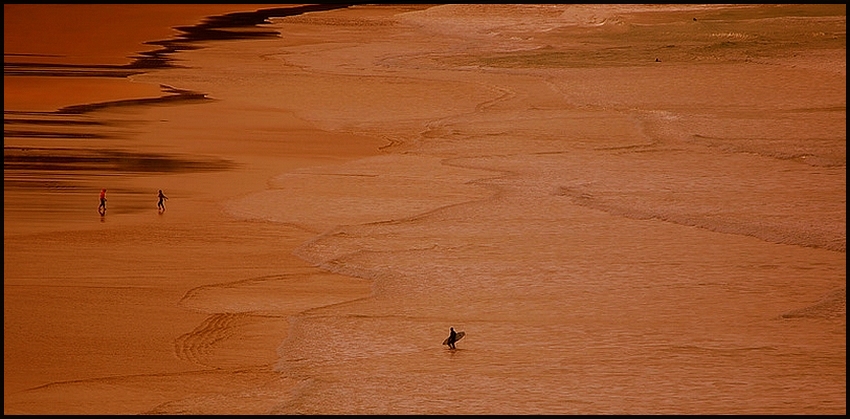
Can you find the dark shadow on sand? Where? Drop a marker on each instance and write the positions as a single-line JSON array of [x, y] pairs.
[[69, 159], [22, 161], [231, 26]]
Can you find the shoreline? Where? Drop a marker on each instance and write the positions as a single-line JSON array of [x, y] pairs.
[[39, 58], [99, 280]]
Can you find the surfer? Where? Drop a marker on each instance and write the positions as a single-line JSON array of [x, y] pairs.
[[452, 338], [102, 207], [161, 203]]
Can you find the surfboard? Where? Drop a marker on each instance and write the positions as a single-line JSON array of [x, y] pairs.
[[460, 336]]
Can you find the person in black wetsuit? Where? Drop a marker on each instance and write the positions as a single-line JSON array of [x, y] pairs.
[[161, 204], [452, 338]]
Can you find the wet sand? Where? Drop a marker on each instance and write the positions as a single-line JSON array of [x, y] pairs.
[[120, 304], [351, 178]]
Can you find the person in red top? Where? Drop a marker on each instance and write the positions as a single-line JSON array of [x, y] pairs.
[[102, 207]]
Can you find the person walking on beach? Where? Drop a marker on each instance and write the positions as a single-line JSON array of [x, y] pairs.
[[452, 338], [102, 207], [161, 204]]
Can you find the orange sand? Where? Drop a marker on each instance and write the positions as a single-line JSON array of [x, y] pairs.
[[184, 312], [88, 299]]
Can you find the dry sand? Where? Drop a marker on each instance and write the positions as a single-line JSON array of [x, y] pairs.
[[275, 191]]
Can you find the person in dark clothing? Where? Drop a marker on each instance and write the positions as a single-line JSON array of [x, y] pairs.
[[452, 338], [161, 203]]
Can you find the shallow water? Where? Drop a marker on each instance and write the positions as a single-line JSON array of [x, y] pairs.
[[614, 234]]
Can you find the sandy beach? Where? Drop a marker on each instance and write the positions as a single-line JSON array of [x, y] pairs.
[[628, 209]]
